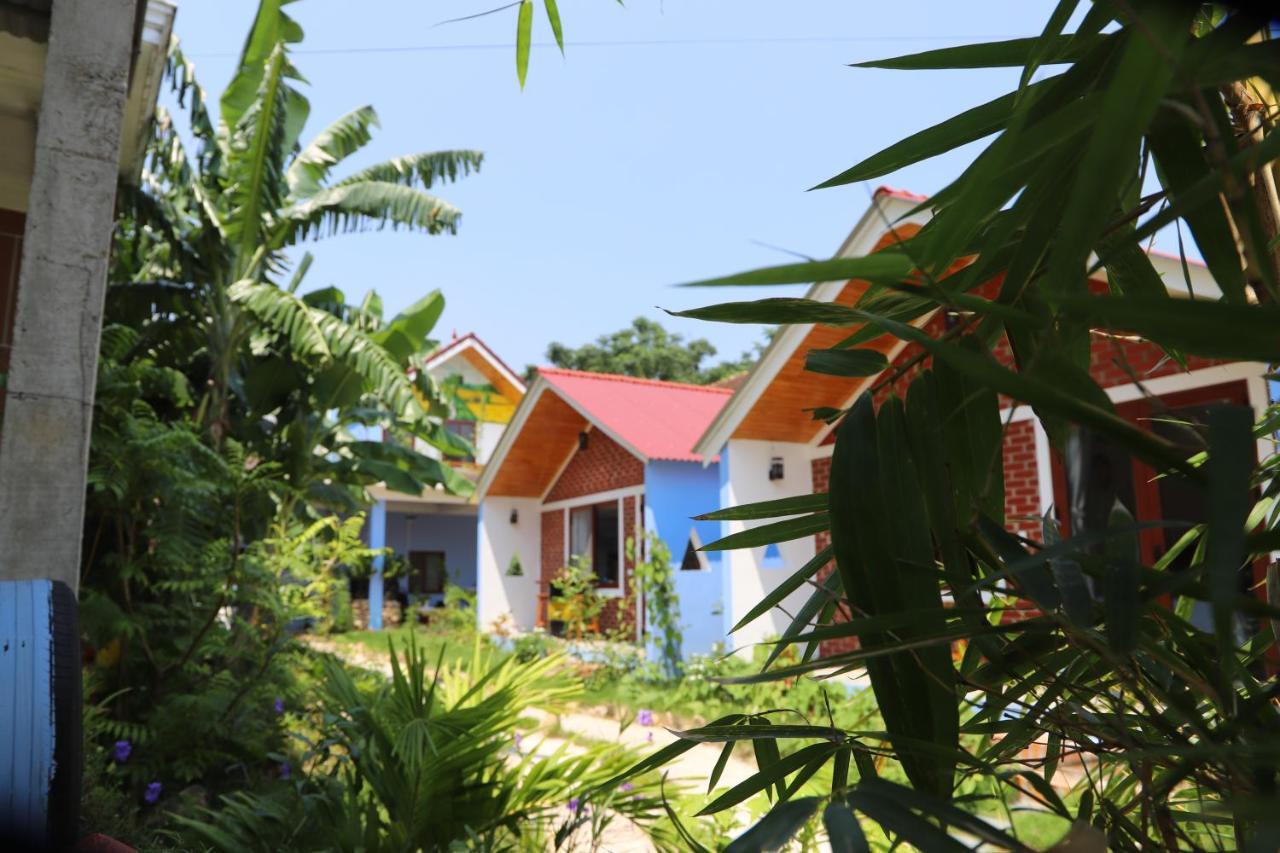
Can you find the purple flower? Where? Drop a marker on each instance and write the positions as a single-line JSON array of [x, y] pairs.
[[153, 792], [574, 805], [518, 739], [122, 750], [644, 717], [279, 705], [626, 787], [284, 770]]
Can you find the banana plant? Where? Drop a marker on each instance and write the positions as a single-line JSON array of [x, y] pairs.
[[204, 262]]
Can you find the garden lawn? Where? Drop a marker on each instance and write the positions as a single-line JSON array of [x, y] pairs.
[[455, 644]]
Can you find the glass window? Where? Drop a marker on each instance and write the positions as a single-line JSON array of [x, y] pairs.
[[606, 553], [426, 572]]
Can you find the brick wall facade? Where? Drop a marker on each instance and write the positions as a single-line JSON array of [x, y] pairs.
[[552, 553], [1114, 361], [604, 465], [1021, 479]]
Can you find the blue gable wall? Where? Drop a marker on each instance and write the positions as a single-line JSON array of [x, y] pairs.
[[674, 492]]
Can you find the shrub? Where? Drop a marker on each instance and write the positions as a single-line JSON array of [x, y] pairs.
[[531, 647], [577, 603], [425, 763]]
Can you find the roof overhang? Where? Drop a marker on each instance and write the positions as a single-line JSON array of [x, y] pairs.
[[888, 210], [541, 436], [23, 45]]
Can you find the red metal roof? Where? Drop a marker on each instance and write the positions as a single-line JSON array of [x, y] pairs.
[[659, 420]]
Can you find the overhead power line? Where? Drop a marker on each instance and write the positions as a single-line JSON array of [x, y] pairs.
[[695, 42]]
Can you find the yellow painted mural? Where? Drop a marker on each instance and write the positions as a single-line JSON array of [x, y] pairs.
[[484, 403]]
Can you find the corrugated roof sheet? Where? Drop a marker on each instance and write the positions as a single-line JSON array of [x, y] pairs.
[[660, 420]]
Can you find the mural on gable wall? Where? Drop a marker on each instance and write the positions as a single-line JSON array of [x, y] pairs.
[[477, 401]]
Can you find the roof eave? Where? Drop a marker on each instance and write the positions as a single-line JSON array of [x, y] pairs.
[[880, 214]]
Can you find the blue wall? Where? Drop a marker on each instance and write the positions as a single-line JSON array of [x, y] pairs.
[[674, 492], [455, 535]]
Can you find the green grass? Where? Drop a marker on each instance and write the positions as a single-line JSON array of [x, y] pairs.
[[457, 645]]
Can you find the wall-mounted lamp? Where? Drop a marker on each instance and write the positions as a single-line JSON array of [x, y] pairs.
[[582, 440], [515, 516], [776, 471]]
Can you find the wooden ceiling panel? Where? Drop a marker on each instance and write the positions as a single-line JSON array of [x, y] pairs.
[[501, 383], [545, 440], [779, 413]]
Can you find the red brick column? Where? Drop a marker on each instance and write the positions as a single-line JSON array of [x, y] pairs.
[[553, 559]]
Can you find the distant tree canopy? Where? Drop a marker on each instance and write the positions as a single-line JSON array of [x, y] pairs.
[[647, 350]]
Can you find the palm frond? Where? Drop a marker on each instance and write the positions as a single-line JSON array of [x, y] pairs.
[[364, 206], [317, 334], [426, 168], [342, 138]]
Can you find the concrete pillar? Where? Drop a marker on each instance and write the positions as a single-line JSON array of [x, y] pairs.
[[377, 539], [44, 448]]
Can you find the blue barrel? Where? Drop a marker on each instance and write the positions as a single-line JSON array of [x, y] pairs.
[[40, 725]]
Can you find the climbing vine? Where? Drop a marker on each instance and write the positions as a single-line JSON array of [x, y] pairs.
[[656, 579]]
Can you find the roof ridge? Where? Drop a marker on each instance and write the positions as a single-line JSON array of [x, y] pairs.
[[637, 380]]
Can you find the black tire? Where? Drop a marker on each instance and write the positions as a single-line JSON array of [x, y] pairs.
[[68, 750]]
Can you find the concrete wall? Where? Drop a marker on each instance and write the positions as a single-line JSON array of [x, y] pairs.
[[748, 573], [454, 534], [497, 541], [674, 493], [49, 403]]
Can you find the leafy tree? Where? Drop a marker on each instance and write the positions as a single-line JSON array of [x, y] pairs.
[[1157, 115], [647, 350], [226, 423]]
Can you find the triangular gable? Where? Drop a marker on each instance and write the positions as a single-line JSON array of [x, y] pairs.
[[470, 349], [539, 442], [770, 404], [776, 400]]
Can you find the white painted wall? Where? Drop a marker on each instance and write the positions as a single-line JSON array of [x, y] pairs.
[[498, 540], [487, 437], [748, 581]]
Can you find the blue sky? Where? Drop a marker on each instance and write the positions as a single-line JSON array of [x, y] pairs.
[[669, 138]]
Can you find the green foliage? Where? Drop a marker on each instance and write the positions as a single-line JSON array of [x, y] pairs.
[[458, 614], [427, 762], [1151, 115], [655, 578], [649, 351], [314, 566], [201, 272], [514, 569], [576, 600], [226, 483], [532, 646]]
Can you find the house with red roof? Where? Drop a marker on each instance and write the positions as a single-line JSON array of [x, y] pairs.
[[768, 425], [589, 463]]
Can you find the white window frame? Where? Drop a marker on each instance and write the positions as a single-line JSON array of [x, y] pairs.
[[617, 496]]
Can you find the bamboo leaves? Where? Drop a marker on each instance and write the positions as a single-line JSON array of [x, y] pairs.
[[883, 553]]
